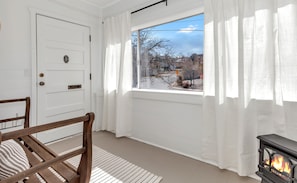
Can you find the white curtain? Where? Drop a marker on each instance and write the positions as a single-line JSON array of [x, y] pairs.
[[117, 75], [250, 72]]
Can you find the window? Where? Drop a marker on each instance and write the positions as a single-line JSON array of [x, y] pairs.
[[169, 56]]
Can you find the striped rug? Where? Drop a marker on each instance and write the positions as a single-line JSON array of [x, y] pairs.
[[108, 168]]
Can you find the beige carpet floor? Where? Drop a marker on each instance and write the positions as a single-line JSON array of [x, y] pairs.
[[109, 168]]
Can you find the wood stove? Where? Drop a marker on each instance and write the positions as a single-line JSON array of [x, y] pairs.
[[277, 159]]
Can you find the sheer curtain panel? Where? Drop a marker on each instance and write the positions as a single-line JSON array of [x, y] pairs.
[[117, 75], [249, 76]]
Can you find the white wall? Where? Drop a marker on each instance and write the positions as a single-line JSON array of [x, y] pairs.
[[124, 5], [162, 13], [168, 120], [158, 11], [16, 44]]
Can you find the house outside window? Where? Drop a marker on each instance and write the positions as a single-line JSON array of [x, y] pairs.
[[169, 56]]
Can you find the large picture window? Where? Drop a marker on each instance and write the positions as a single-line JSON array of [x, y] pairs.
[[169, 56]]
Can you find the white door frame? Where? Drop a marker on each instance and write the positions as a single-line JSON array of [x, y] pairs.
[[34, 94]]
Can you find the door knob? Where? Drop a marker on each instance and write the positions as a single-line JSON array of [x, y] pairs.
[[41, 83]]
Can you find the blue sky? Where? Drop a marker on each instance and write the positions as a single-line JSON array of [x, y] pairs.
[[185, 35]]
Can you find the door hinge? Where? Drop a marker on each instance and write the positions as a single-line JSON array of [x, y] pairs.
[[90, 38], [90, 76]]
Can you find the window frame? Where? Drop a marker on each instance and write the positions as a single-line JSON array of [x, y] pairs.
[[156, 23]]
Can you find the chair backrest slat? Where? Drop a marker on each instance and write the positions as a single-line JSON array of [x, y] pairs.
[[26, 116]]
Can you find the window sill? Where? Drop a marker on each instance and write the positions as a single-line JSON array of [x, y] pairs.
[[185, 97]]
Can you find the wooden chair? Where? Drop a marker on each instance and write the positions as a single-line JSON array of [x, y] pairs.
[[45, 163]]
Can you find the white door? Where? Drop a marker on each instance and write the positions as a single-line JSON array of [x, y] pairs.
[[63, 74]]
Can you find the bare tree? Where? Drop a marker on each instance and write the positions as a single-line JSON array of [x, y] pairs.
[[154, 54], [159, 60]]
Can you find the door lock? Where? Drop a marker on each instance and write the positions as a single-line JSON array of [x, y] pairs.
[[66, 59], [41, 83]]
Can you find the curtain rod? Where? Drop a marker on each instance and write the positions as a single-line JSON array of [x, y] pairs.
[[149, 6]]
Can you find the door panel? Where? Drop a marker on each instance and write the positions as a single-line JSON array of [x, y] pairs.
[[63, 68], [56, 55], [66, 76]]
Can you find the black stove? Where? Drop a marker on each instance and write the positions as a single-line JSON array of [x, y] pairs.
[[277, 159]]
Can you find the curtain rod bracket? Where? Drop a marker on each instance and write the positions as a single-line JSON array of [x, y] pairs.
[[150, 6]]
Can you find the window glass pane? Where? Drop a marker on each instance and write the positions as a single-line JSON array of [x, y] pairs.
[[170, 55]]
